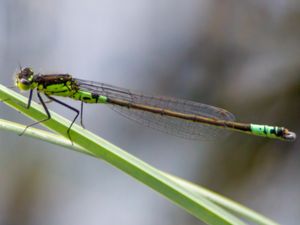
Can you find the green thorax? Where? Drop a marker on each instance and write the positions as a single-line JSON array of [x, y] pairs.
[[58, 84], [65, 86]]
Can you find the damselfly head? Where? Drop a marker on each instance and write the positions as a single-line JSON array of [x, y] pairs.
[[24, 78]]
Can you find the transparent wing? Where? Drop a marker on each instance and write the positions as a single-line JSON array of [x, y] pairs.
[[172, 125]]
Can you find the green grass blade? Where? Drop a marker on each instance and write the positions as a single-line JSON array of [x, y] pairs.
[[198, 206], [198, 190], [41, 135], [223, 201]]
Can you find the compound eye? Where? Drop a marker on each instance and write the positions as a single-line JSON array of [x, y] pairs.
[[27, 71]]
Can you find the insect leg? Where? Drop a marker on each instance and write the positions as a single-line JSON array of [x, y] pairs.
[[30, 99], [45, 108], [81, 115], [69, 107]]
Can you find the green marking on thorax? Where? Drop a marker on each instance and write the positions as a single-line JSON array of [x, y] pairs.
[[61, 89], [265, 130]]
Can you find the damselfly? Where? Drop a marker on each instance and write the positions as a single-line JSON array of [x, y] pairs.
[[178, 117]]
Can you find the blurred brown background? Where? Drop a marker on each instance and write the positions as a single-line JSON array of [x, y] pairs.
[[243, 56]]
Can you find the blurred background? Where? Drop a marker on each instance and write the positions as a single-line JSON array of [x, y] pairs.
[[243, 56]]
